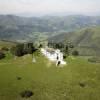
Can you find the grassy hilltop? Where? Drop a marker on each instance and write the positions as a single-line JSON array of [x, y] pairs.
[[79, 80]]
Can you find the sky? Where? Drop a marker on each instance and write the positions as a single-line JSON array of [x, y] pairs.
[[85, 7]]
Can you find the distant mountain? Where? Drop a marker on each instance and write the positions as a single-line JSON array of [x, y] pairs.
[[24, 29], [86, 41]]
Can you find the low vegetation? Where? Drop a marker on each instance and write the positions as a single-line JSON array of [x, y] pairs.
[[22, 49], [2, 55], [26, 94], [20, 79], [94, 59], [75, 53], [6, 44]]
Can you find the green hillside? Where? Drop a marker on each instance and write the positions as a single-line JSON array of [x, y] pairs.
[[79, 80], [7, 44], [29, 29], [86, 40]]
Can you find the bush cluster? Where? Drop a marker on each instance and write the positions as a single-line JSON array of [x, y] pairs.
[[22, 49]]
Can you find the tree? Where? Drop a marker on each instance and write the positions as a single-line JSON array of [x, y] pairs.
[[22, 49], [66, 48], [30, 48], [18, 50]]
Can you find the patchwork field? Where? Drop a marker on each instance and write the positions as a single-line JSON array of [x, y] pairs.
[[78, 80]]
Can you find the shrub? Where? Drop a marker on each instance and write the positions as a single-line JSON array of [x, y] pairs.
[[4, 49], [26, 94], [19, 78], [2, 55], [81, 84], [64, 56], [94, 59], [75, 53]]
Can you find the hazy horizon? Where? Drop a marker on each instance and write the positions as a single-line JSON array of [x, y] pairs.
[[50, 7]]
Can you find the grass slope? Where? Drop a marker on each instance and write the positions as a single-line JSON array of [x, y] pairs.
[[6, 44], [87, 39], [79, 80]]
